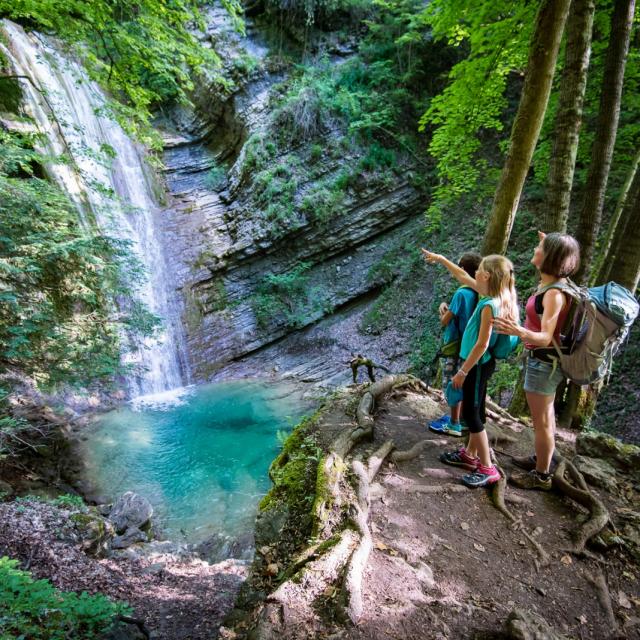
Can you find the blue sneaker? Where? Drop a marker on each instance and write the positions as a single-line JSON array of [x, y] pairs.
[[454, 430], [439, 425]]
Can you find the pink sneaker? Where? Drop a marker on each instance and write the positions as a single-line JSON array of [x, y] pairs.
[[460, 458], [481, 477]]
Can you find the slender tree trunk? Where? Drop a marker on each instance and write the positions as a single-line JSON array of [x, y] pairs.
[[622, 264], [543, 53], [623, 257], [569, 115], [615, 232], [606, 127]]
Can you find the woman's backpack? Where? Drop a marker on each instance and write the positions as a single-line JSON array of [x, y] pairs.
[[597, 324]]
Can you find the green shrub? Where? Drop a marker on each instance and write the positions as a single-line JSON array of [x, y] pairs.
[[70, 501], [322, 203], [378, 157], [36, 610], [216, 178], [285, 296], [316, 153]]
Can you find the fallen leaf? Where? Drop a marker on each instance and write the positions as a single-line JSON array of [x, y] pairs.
[[464, 526], [628, 574], [381, 546], [566, 559], [623, 600], [478, 547]]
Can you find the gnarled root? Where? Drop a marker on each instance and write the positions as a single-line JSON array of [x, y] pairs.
[[598, 513], [604, 598], [416, 450], [498, 498], [358, 561]]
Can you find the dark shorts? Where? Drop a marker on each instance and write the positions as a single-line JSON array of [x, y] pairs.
[[474, 395]]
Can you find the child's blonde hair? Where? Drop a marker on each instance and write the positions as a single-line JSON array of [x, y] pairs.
[[502, 285]]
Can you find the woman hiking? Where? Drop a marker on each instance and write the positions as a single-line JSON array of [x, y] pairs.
[[556, 257], [494, 282]]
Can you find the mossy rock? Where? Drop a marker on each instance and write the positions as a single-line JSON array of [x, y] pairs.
[[96, 532], [600, 445]]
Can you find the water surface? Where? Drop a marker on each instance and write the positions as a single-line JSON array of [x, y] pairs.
[[200, 455]]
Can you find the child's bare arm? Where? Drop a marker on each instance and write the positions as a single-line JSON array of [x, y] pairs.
[[446, 318], [457, 272]]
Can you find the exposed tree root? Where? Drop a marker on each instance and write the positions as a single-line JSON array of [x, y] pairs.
[[358, 561], [416, 450], [364, 413], [598, 513], [604, 598], [498, 498]]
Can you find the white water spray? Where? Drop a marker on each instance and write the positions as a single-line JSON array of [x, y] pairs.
[[71, 115]]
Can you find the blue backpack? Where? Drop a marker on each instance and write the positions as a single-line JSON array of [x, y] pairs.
[[597, 325]]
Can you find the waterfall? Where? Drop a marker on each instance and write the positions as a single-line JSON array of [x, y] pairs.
[[71, 114]]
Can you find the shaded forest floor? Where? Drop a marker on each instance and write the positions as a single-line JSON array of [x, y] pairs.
[[176, 596], [449, 562], [445, 563]]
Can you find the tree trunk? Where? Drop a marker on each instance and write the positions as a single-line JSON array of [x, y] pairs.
[[623, 258], [612, 244], [543, 53], [606, 127], [569, 117]]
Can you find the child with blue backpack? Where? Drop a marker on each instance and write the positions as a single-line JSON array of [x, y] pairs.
[[454, 318], [480, 345]]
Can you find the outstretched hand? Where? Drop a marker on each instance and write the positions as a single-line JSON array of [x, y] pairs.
[[431, 258], [506, 327]]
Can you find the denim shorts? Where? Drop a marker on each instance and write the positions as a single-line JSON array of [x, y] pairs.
[[540, 377]]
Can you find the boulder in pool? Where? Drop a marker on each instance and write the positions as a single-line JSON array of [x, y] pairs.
[[131, 536], [130, 511]]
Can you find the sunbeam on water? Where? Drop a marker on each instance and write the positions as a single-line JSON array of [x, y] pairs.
[[200, 455]]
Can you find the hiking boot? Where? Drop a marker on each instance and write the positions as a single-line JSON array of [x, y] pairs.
[[454, 430], [529, 462], [439, 425], [532, 480], [460, 458], [481, 477]]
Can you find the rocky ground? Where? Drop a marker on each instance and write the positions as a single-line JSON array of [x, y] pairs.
[[444, 561], [176, 595]]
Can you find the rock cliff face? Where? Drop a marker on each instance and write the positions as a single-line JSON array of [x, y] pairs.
[[221, 245]]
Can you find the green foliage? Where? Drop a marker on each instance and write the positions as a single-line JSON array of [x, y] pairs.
[[493, 39], [34, 609], [323, 201], [293, 472], [305, 13], [286, 297], [70, 501], [144, 52], [216, 178], [505, 377], [59, 281]]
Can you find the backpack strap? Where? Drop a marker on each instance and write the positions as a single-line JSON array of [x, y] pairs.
[[566, 287]]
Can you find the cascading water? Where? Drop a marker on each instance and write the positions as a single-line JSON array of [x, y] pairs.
[[69, 109]]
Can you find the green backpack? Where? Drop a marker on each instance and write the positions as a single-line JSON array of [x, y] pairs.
[[452, 349]]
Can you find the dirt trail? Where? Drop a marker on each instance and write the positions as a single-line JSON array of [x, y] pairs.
[[403, 550], [446, 564]]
